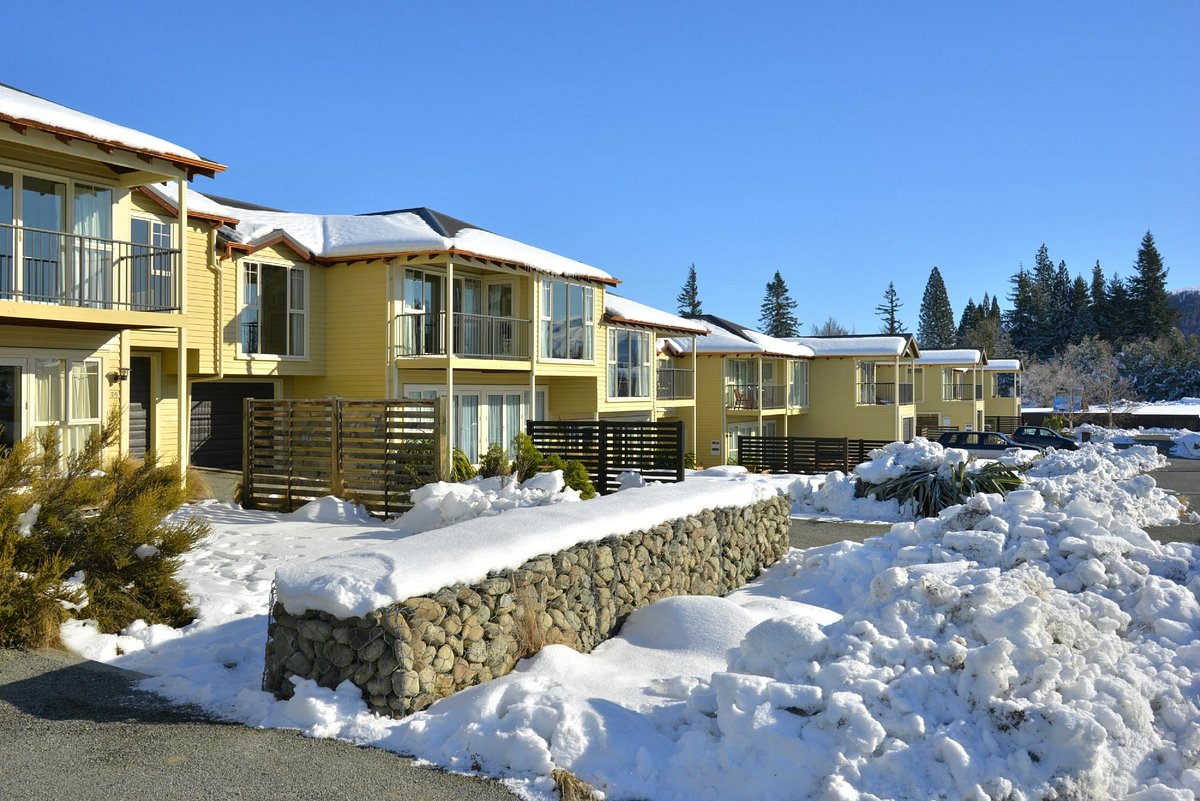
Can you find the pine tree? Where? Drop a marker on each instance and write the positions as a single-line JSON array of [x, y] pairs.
[[689, 297], [887, 311], [1151, 314], [777, 317], [967, 323], [1119, 323], [936, 328], [994, 312], [829, 328], [1099, 304], [1083, 325], [1020, 318]]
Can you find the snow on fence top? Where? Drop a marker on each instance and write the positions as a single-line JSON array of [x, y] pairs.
[[23, 108], [354, 583], [959, 356], [626, 310]]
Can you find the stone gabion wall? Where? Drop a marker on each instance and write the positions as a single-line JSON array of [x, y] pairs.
[[407, 655]]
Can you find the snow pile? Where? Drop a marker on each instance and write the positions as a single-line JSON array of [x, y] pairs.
[[1185, 443], [442, 503], [1116, 479]]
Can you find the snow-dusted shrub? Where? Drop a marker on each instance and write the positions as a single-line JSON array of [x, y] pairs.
[[494, 462], [460, 466], [926, 478], [528, 458], [104, 528], [574, 474]]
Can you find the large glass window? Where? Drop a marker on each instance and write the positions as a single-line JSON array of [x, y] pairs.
[[567, 321], [92, 282], [500, 300], [7, 236], [274, 317], [66, 394], [628, 363], [798, 386], [44, 209], [152, 280]]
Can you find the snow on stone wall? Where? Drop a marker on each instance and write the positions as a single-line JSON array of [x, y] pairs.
[[407, 655]]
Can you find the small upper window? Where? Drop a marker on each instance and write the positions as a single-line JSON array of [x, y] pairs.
[[274, 314]]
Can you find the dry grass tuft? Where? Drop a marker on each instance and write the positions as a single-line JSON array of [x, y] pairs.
[[572, 788]]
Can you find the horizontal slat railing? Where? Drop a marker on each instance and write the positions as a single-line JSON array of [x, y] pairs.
[[608, 448], [373, 452], [804, 455]]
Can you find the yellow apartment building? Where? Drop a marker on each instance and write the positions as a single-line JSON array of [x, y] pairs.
[[747, 383], [861, 387], [949, 390], [1002, 394], [96, 302]]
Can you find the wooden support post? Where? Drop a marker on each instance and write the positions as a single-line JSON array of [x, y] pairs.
[[846, 454], [336, 477], [247, 453]]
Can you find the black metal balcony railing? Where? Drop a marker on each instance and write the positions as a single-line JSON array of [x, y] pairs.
[[953, 392], [676, 383], [748, 396], [55, 267], [476, 336], [884, 394]]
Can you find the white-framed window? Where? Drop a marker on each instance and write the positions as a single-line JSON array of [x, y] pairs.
[[1006, 385], [918, 382], [152, 282], [484, 414], [568, 321], [866, 382], [735, 430], [274, 309], [798, 384], [44, 264], [500, 300], [66, 393], [628, 363]]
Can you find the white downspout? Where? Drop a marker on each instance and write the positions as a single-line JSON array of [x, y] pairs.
[[184, 417], [448, 344]]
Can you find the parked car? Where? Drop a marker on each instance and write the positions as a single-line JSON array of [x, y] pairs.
[[1044, 437], [983, 444]]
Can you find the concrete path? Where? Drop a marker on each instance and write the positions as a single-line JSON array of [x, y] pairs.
[[76, 729], [1181, 476]]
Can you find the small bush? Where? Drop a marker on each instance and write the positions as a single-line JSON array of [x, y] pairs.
[[575, 475], [528, 460], [460, 467], [930, 490], [494, 462], [1056, 422], [110, 525], [689, 461]]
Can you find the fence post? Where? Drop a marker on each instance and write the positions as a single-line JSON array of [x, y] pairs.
[[602, 467], [679, 454], [846, 454], [247, 452], [336, 481], [442, 439]]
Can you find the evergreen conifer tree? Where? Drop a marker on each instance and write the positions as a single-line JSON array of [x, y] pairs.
[[967, 323], [936, 328], [777, 317], [887, 311], [1099, 303], [1019, 319], [1151, 314], [689, 297], [1119, 323], [1083, 325]]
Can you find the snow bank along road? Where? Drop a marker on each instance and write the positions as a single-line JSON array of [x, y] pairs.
[[76, 729]]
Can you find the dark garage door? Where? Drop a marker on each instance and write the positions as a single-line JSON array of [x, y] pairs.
[[217, 421]]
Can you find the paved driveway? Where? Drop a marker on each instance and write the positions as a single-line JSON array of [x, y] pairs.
[[72, 729]]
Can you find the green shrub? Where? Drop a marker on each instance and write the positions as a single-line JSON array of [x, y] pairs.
[[110, 525], [528, 459], [494, 462], [575, 475], [1056, 422], [930, 490], [460, 467], [689, 461]]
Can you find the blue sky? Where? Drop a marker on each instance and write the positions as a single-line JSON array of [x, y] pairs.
[[845, 145]]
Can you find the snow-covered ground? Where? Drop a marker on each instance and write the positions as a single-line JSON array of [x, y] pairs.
[[1185, 444], [1036, 646]]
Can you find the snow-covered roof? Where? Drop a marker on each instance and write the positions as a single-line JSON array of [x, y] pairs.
[[1003, 365], [854, 345], [354, 236], [23, 109], [624, 310], [952, 356], [729, 337]]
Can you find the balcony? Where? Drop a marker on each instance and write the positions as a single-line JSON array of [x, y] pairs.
[[747, 397], [62, 269], [676, 384], [476, 336], [884, 394], [956, 392]]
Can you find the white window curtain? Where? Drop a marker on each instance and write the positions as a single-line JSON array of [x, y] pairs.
[[93, 278]]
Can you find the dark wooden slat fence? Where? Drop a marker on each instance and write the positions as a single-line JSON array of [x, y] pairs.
[[372, 452], [609, 448], [807, 455]]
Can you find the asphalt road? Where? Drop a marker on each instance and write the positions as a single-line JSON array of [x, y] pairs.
[[72, 729]]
